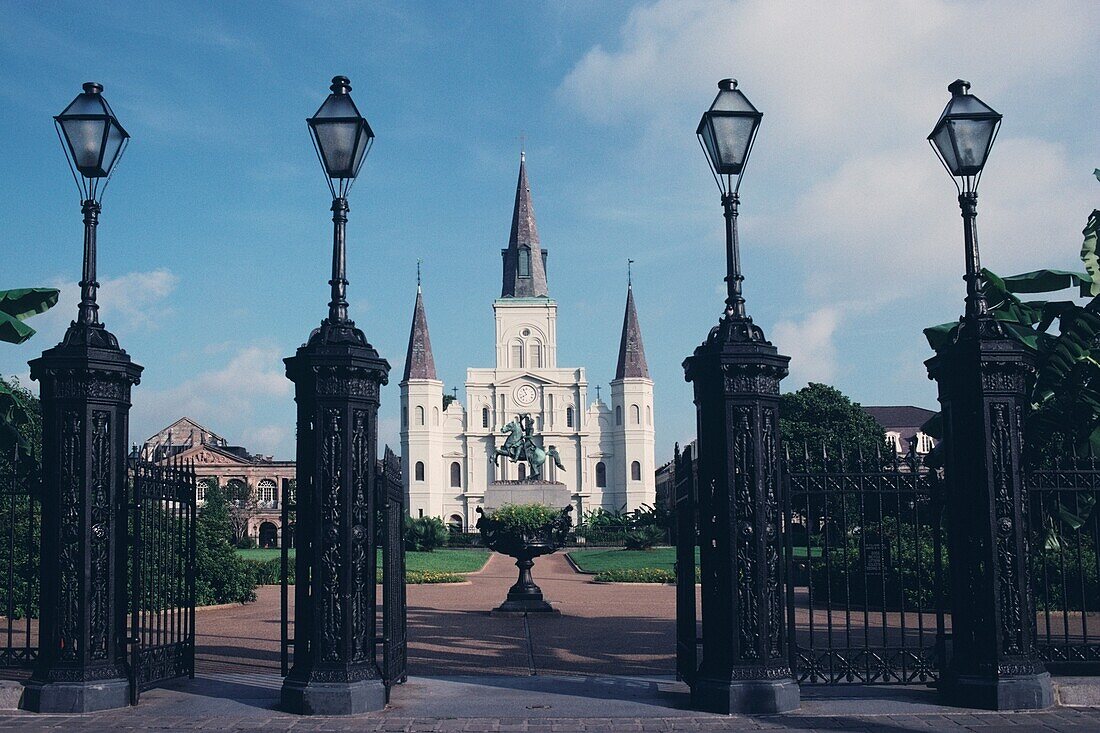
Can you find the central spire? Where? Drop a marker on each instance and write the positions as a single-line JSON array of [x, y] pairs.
[[524, 260]]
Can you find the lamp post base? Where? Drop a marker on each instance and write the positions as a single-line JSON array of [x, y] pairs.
[[1018, 692], [333, 698], [745, 696], [75, 697]]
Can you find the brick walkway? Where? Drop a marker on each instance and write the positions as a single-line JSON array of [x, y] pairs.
[[473, 672], [603, 629]]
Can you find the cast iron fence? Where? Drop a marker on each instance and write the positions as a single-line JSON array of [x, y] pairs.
[[1065, 564], [865, 556], [162, 566], [20, 539]]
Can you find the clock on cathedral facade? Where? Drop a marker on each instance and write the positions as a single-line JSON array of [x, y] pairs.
[[448, 454]]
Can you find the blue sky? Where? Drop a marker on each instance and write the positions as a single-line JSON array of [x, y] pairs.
[[215, 235]]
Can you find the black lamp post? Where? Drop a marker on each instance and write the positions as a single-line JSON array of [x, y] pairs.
[[984, 379], [337, 377], [85, 390], [962, 138], [735, 375], [726, 132]]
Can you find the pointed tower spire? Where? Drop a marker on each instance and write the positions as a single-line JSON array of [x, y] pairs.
[[632, 361], [524, 260], [419, 362]]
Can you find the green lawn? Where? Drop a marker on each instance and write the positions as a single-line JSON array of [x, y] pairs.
[[441, 561], [661, 558]]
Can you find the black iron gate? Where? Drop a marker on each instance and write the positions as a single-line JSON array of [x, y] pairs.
[[865, 576], [687, 541], [392, 606], [20, 540], [286, 580], [394, 639], [1065, 563], [162, 583]]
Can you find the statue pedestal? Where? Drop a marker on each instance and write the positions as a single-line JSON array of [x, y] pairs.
[[527, 491]]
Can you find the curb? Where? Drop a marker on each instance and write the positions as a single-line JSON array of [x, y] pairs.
[[577, 568]]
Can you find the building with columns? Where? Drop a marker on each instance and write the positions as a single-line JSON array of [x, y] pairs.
[[448, 448], [266, 481]]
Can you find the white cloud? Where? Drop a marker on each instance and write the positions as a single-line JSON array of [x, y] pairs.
[[127, 303], [830, 77], [224, 398], [810, 345]]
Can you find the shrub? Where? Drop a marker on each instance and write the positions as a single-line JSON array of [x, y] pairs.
[[525, 518], [246, 543], [424, 534], [644, 539], [464, 539], [269, 572], [419, 577], [637, 575]]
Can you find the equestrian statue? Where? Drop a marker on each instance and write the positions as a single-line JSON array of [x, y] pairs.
[[520, 446]]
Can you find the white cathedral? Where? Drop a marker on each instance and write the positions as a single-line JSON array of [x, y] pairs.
[[448, 452]]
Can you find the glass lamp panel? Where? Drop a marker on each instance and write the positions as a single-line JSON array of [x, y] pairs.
[[337, 105], [942, 140], [338, 144], [732, 100], [85, 138], [972, 139], [732, 135], [85, 104], [113, 147]]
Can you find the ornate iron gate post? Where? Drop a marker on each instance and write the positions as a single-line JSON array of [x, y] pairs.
[[687, 541], [983, 382], [85, 389], [745, 667], [337, 376]]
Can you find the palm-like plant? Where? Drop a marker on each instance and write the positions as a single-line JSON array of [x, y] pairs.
[[17, 405]]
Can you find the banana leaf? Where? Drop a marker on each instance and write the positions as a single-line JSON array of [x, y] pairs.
[[1045, 281], [26, 302], [18, 305]]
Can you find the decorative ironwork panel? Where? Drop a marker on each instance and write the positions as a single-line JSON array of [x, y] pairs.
[[162, 584], [864, 569], [1065, 563], [20, 543], [394, 605], [687, 620]]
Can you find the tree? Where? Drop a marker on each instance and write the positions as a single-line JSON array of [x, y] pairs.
[[819, 416], [20, 414], [221, 575], [244, 505]]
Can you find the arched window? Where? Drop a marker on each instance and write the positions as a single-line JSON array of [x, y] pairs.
[[601, 475], [635, 415], [635, 471], [484, 417], [454, 522], [522, 471], [456, 475], [418, 472], [517, 354], [203, 486], [435, 416], [419, 415], [236, 491], [648, 415], [524, 262], [569, 417], [535, 350], [618, 415], [268, 493]]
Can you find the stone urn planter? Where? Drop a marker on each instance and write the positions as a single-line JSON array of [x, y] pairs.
[[501, 532]]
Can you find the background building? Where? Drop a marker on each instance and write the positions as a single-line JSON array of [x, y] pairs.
[[448, 450], [256, 484], [902, 423]]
